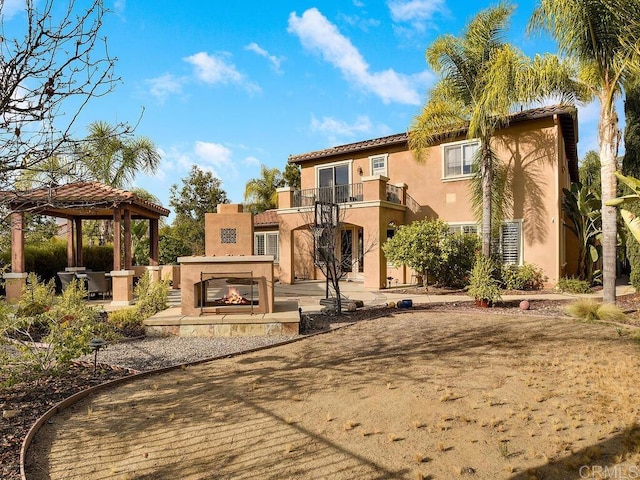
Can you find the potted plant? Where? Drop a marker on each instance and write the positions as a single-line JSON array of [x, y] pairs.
[[483, 285]]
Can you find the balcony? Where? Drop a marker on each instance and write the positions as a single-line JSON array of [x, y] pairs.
[[373, 190], [337, 194]]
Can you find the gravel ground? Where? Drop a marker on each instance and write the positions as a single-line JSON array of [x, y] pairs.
[[151, 353]]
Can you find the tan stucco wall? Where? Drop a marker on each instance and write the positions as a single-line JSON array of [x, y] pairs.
[[531, 150], [229, 216]]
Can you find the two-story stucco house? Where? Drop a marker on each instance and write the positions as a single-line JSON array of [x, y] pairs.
[[379, 185]]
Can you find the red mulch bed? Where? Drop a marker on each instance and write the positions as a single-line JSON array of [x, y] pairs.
[[28, 401]]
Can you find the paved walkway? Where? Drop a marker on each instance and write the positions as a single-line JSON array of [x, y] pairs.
[[308, 293]]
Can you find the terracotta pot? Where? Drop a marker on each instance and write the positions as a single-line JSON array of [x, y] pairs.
[[482, 303]]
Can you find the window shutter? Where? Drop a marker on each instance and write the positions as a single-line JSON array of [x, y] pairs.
[[272, 245], [259, 244], [511, 243]]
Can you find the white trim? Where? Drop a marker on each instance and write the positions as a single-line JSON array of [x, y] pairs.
[[265, 234], [349, 163], [443, 148], [385, 158], [519, 223]]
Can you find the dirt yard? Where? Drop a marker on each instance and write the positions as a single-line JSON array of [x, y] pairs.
[[413, 396]]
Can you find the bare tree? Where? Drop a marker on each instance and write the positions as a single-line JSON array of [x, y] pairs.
[[52, 62], [329, 255]]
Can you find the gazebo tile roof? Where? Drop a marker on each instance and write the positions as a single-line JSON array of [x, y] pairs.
[[80, 194]]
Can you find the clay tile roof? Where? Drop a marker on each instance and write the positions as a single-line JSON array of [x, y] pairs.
[[567, 115], [80, 195], [351, 147], [264, 219]]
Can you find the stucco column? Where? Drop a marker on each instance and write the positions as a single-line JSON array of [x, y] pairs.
[[154, 254], [122, 287], [127, 239], [286, 256], [154, 272], [375, 265], [117, 247], [374, 188], [285, 197]]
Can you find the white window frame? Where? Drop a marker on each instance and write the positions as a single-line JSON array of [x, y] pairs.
[[349, 163], [380, 171], [464, 227], [461, 144], [459, 227], [271, 244], [518, 242]]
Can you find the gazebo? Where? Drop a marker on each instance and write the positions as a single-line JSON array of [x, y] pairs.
[[84, 201]]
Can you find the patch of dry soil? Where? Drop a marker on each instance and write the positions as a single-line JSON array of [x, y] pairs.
[[412, 395]]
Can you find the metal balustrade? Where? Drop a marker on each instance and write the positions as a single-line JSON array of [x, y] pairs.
[[336, 194]]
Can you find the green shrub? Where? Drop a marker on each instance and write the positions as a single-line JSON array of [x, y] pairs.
[[483, 281], [64, 326], [525, 277], [457, 257], [430, 249], [151, 296], [45, 259], [98, 258], [573, 285], [128, 321]]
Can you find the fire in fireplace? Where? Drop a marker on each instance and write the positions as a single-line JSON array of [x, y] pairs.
[[233, 297], [221, 292]]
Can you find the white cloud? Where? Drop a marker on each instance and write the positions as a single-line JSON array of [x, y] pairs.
[[215, 70], [417, 13], [119, 6], [214, 157], [251, 161], [275, 61], [163, 86], [363, 23], [12, 7], [335, 127], [319, 35]]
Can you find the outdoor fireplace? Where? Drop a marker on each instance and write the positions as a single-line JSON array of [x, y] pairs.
[[231, 284], [224, 292]]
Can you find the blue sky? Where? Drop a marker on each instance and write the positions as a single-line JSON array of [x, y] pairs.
[[232, 85]]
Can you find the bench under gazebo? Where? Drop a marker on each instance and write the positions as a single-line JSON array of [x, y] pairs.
[[76, 202]]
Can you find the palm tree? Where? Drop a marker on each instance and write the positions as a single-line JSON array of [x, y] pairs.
[[260, 193], [595, 34], [481, 79], [109, 158]]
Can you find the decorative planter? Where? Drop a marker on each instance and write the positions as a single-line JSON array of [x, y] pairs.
[[482, 303]]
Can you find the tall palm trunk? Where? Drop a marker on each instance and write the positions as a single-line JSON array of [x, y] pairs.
[[487, 180], [608, 135]]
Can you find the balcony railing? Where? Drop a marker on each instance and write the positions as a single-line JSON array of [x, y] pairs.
[[337, 194], [350, 193], [394, 194]]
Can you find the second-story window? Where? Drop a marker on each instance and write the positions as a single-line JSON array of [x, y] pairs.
[[379, 165], [333, 183], [458, 158]]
